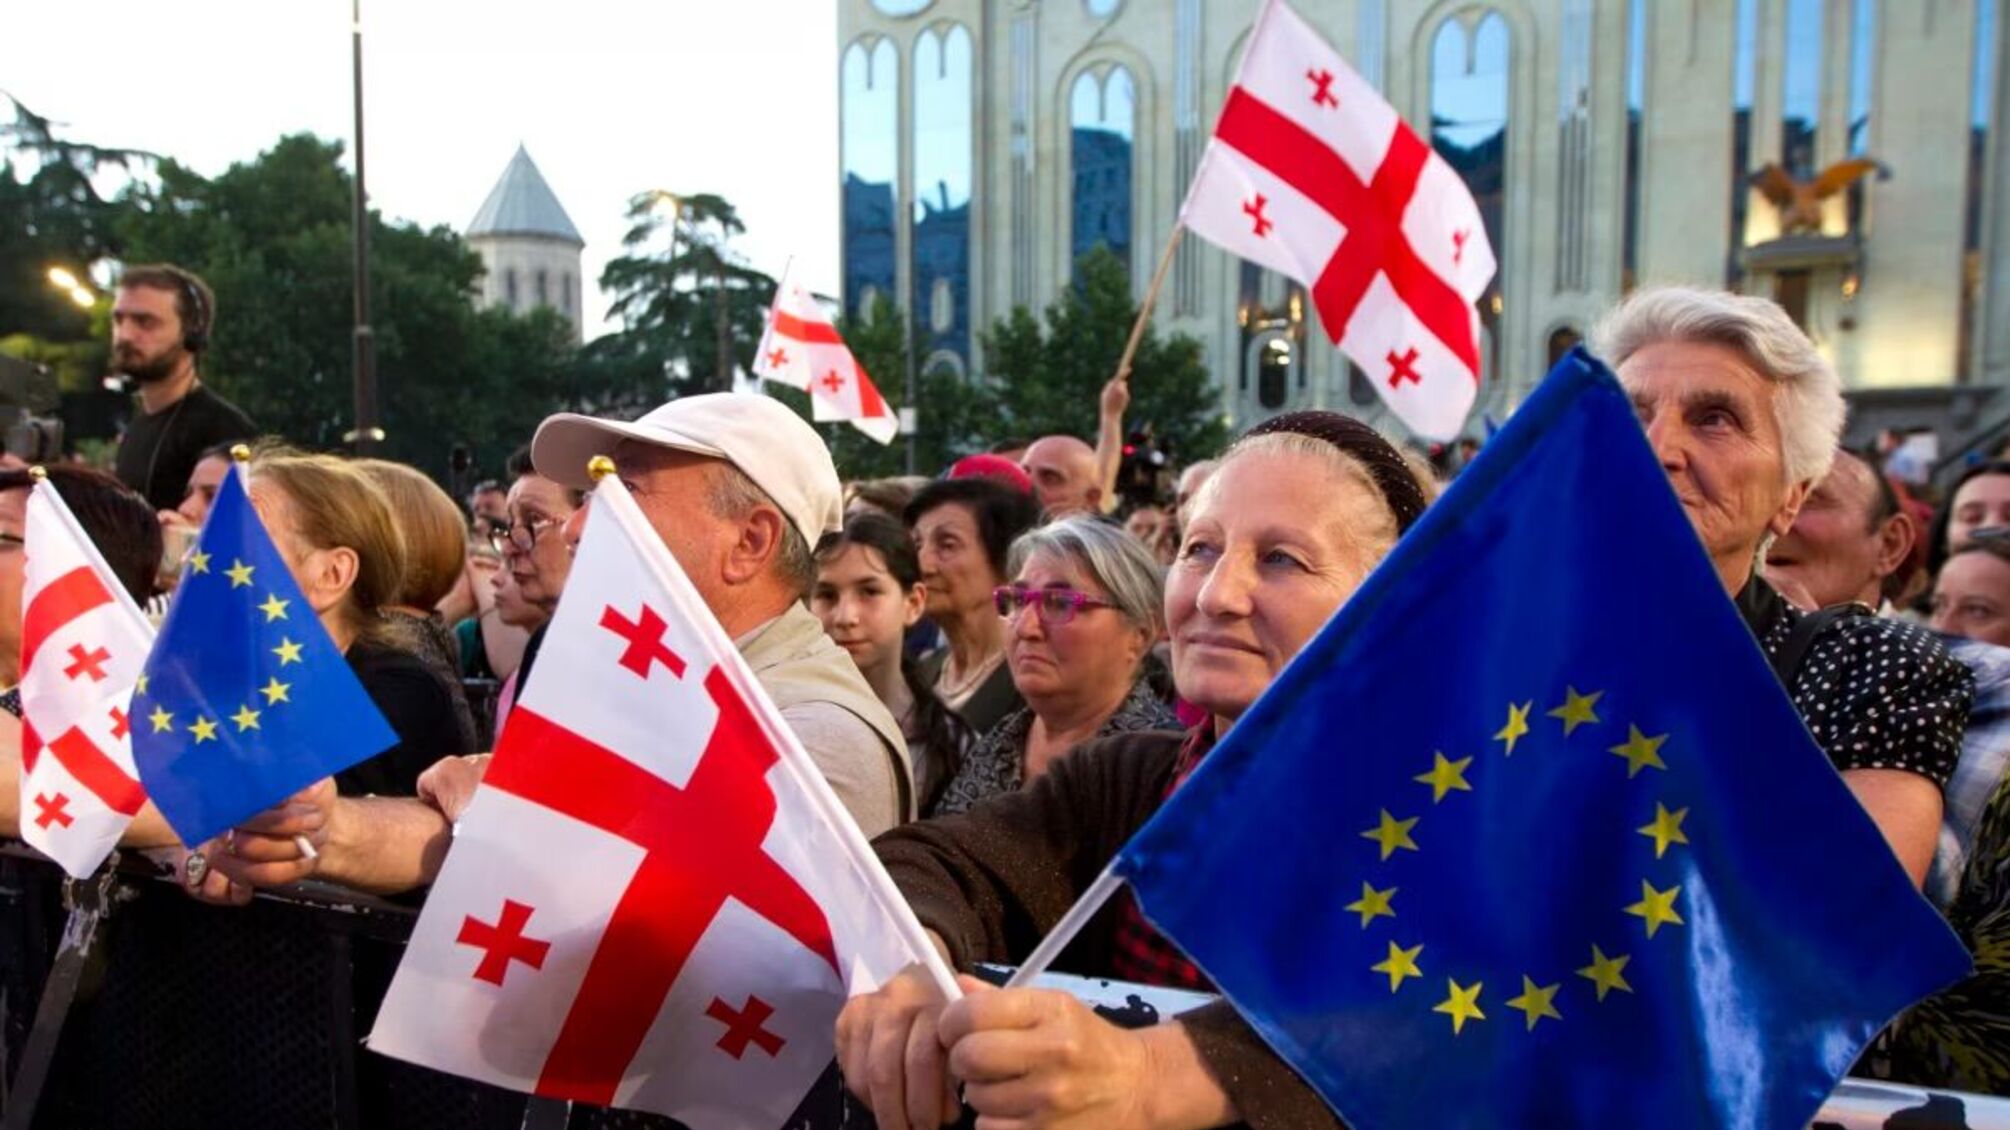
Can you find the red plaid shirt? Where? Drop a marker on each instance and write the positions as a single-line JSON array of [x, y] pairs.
[[1144, 955]]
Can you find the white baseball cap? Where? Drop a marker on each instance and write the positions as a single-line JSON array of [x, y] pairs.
[[760, 435]]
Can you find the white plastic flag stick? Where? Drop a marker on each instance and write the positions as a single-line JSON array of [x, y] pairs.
[[1064, 931]]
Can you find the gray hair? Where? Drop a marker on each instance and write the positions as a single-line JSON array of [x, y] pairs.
[[732, 496], [1117, 561], [1377, 536], [1807, 395]]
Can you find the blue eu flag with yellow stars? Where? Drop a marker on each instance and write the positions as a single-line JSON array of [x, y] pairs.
[[245, 699], [1530, 835]]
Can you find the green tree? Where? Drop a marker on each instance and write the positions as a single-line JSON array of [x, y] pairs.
[[680, 302], [54, 216], [1048, 373], [272, 237]]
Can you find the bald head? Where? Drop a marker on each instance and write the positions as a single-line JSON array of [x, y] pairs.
[[1063, 470]]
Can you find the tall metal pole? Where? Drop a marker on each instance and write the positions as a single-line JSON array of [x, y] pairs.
[[365, 353]]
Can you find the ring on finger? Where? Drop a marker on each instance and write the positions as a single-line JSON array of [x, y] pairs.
[[196, 868]]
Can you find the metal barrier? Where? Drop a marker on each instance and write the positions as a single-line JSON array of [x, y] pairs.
[[124, 1003]]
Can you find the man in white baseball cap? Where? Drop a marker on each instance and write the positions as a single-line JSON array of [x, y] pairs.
[[740, 489]]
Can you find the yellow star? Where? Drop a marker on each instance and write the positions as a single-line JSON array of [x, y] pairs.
[[1373, 904], [1666, 829], [1392, 833], [1400, 964], [287, 651], [162, 720], [1576, 710], [1606, 972], [198, 562], [1656, 907], [1517, 725], [140, 687], [1445, 776], [275, 691], [203, 729], [1462, 1005], [240, 574], [1536, 1002], [246, 719], [1639, 750], [274, 608]]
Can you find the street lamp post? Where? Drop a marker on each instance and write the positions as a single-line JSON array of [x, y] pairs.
[[367, 433]]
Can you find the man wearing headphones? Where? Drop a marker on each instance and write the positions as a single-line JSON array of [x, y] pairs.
[[161, 322]]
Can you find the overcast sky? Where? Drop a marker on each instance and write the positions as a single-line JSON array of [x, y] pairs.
[[612, 97]]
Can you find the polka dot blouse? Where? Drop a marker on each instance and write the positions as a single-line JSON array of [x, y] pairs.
[[1876, 693]]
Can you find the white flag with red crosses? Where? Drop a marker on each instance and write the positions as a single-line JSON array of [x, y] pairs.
[[84, 643], [802, 349], [1312, 174], [655, 901]]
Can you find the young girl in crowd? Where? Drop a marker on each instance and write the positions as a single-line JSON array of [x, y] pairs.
[[868, 593]]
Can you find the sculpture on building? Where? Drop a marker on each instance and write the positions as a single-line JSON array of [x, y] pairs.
[[1800, 201]]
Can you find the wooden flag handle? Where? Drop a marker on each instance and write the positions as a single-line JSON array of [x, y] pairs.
[[1151, 299]]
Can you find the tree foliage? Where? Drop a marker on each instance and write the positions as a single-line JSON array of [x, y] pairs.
[[678, 281], [272, 237]]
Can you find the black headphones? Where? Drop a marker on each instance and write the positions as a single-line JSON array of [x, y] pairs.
[[195, 330]]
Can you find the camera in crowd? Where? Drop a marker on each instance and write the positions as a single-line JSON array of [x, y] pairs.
[[1145, 475], [28, 398]]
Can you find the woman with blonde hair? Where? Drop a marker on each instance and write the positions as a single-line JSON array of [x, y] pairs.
[[336, 530], [435, 563]]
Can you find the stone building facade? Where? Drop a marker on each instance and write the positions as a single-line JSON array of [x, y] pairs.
[[1611, 143]]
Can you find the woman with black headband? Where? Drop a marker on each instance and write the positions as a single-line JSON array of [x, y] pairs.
[[1299, 511]]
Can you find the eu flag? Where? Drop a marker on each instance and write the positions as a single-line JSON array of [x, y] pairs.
[[1530, 835], [245, 699]]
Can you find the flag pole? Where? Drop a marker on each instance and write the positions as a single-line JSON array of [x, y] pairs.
[[1151, 299], [1071, 923]]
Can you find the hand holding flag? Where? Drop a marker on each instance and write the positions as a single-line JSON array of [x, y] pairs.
[[246, 699]]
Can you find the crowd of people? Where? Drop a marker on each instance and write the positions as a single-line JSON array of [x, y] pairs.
[[1003, 675]]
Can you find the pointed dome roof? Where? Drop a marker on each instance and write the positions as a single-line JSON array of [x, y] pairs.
[[521, 203]]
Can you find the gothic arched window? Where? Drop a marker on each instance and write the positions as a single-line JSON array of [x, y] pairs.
[[1102, 121]]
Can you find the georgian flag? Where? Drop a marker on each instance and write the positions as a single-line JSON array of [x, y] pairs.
[[654, 901], [802, 349], [83, 645], [1312, 174]]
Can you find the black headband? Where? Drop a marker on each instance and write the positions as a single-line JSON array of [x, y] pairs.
[[1386, 466]]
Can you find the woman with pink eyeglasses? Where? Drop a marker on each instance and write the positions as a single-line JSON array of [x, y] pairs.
[[1085, 604]]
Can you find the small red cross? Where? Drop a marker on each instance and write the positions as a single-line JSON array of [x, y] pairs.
[[1459, 239], [832, 381], [1323, 79], [1403, 368], [645, 641], [1259, 223], [90, 663], [503, 942], [777, 357], [743, 1027], [52, 810], [119, 727]]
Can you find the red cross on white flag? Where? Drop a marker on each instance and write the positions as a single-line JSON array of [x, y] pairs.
[[1312, 174], [802, 349], [655, 901], [83, 645]]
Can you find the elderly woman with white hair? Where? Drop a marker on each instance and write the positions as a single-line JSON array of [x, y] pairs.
[[1085, 605], [1745, 415]]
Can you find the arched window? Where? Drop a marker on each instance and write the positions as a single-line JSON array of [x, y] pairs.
[[1469, 129], [1274, 361], [1102, 119], [869, 137], [1561, 340], [1982, 99], [1801, 88], [565, 294], [543, 287], [1636, 113], [509, 288], [944, 155], [1744, 77]]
